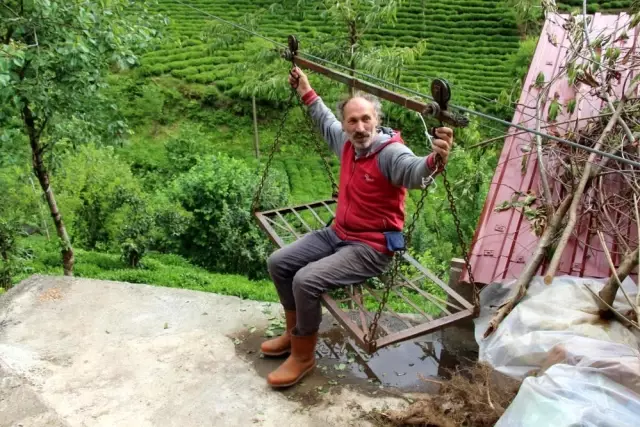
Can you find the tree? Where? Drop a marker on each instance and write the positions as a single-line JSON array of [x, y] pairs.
[[53, 59]]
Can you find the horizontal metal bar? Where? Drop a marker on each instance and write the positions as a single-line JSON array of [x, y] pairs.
[[423, 329], [300, 207], [379, 91]]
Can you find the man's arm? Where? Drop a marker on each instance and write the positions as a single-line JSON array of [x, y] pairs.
[[403, 168], [326, 122], [321, 116]]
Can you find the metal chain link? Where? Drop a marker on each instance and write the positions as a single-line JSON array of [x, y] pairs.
[[276, 143], [373, 327], [369, 338], [463, 245]]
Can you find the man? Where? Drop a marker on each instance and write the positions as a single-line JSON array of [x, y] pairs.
[[376, 168]]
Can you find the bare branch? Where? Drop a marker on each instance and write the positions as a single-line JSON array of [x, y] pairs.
[[587, 175], [617, 283]]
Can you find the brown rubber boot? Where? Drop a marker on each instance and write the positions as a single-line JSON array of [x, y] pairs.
[[300, 363], [281, 345]]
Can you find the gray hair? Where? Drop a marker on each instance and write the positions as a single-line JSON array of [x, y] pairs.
[[374, 100]]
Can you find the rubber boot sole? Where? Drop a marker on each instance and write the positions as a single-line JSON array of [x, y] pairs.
[[297, 380], [273, 354]]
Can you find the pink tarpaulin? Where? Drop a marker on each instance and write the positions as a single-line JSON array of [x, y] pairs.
[[504, 241]]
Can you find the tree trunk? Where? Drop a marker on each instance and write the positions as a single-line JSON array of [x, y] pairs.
[[40, 170], [608, 293], [256, 136]]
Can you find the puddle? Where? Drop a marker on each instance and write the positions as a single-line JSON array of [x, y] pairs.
[[393, 369]]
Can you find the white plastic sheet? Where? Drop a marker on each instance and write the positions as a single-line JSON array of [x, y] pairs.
[[588, 371]]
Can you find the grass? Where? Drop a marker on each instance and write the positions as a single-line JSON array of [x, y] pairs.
[[166, 270], [173, 271]]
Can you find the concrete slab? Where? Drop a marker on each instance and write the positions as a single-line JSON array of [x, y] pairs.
[[79, 352]]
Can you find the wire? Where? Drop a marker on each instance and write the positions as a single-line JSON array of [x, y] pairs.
[[422, 95], [239, 27]]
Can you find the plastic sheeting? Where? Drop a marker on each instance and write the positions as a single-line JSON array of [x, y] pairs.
[[587, 371]]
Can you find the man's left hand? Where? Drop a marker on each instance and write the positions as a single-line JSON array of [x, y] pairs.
[[443, 143]]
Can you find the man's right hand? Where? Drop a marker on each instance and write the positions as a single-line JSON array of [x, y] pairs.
[[297, 77]]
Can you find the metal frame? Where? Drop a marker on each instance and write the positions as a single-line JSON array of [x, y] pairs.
[[394, 327]]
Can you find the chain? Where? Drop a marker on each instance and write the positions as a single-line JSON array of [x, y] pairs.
[[463, 245], [369, 338], [373, 327], [276, 143]]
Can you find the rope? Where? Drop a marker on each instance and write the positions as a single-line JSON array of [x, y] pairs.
[[422, 95]]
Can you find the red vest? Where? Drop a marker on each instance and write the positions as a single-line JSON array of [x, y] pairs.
[[368, 203]]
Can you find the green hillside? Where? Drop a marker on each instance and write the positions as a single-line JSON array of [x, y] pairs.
[[468, 41], [191, 130]]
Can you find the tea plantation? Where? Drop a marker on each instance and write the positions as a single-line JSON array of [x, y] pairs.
[[468, 41]]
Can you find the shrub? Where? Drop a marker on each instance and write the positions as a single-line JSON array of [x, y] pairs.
[[223, 236]]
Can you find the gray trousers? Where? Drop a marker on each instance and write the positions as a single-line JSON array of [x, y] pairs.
[[316, 263]]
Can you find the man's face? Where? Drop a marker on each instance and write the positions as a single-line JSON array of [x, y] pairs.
[[360, 122]]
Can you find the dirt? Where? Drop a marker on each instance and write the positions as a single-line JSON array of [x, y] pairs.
[[392, 371], [473, 396]]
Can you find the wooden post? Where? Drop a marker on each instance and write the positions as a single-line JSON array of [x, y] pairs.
[[256, 137]]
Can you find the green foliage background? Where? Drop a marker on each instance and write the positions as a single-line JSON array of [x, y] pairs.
[[155, 173]]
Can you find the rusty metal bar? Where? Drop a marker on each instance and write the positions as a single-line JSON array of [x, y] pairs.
[[431, 296], [423, 329], [363, 309], [439, 282], [427, 295], [356, 333], [271, 221], [307, 226], [358, 294], [300, 207], [329, 209], [377, 298], [412, 304], [313, 211], [275, 238], [288, 225], [431, 109]]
